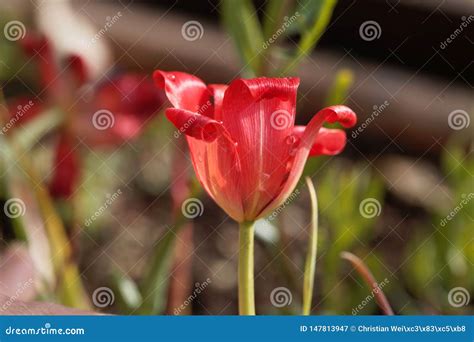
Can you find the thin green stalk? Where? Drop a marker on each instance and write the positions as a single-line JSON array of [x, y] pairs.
[[275, 11], [241, 21], [246, 281], [310, 264]]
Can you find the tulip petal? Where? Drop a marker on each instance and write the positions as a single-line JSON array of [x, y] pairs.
[[214, 157], [78, 68], [66, 172], [185, 91], [263, 87], [194, 125], [217, 167], [130, 93], [342, 114], [217, 92], [259, 115], [328, 141], [41, 51], [127, 102]]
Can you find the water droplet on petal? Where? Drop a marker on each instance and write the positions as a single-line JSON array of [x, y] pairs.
[[172, 77], [293, 142], [290, 140]]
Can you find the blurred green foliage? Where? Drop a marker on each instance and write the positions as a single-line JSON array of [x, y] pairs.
[[341, 188], [440, 256]]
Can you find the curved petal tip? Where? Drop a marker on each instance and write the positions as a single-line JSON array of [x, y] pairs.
[[342, 114], [192, 124]]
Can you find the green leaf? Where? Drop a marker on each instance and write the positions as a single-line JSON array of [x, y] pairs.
[[37, 128], [274, 12], [309, 38], [128, 292], [310, 264], [6, 184], [241, 21], [156, 283], [71, 291], [276, 23], [69, 285]]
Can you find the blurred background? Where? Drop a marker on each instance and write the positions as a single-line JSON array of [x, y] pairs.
[[97, 211]]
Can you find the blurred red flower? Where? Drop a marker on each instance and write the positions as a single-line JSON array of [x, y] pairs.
[[245, 148], [118, 110], [66, 171]]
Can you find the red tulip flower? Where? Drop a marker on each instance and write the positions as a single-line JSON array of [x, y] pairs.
[[245, 148], [118, 110]]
